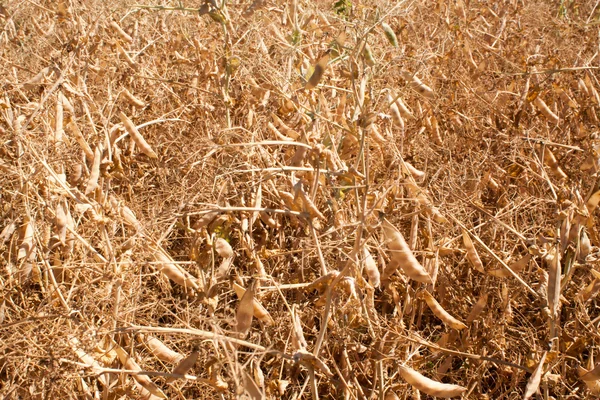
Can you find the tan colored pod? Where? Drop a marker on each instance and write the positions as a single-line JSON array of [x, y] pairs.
[[371, 268], [26, 238], [160, 350], [126, 56], [87, 359], [545, 110], [311, 361], [92, 182], [416, 174], [309, 206], [368, 55], [130, 364], [552, 163], [442, 314], [429, 386], [74, 130], [298, 340], [472, 255], [59, 119], [553, 262], [402, 108], [278, 134], [396, 116], [122, 34], [286, 130], [418, 85], [223, 248], [403, 256], [134, 101], [260, 311], [245, 310], [60, 222], [477, 308], [167, 267], [136, 136]]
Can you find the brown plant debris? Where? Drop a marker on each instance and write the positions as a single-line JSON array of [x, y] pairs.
[[299, 199]]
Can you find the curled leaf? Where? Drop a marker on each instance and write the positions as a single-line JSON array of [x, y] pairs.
[[318, 72]]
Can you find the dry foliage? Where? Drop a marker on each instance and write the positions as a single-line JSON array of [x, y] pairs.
[[298, 199]]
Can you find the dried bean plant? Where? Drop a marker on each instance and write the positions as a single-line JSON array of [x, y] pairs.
[[339, 199]]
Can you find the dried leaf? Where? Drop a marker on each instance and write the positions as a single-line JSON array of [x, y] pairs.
[[534, 381], [251, 387], [593, 201], [245, 310], [592, 385], [592, 375], [318, 73], [184, 366]]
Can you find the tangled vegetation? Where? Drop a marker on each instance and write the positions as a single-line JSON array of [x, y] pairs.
[[299, 199]]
